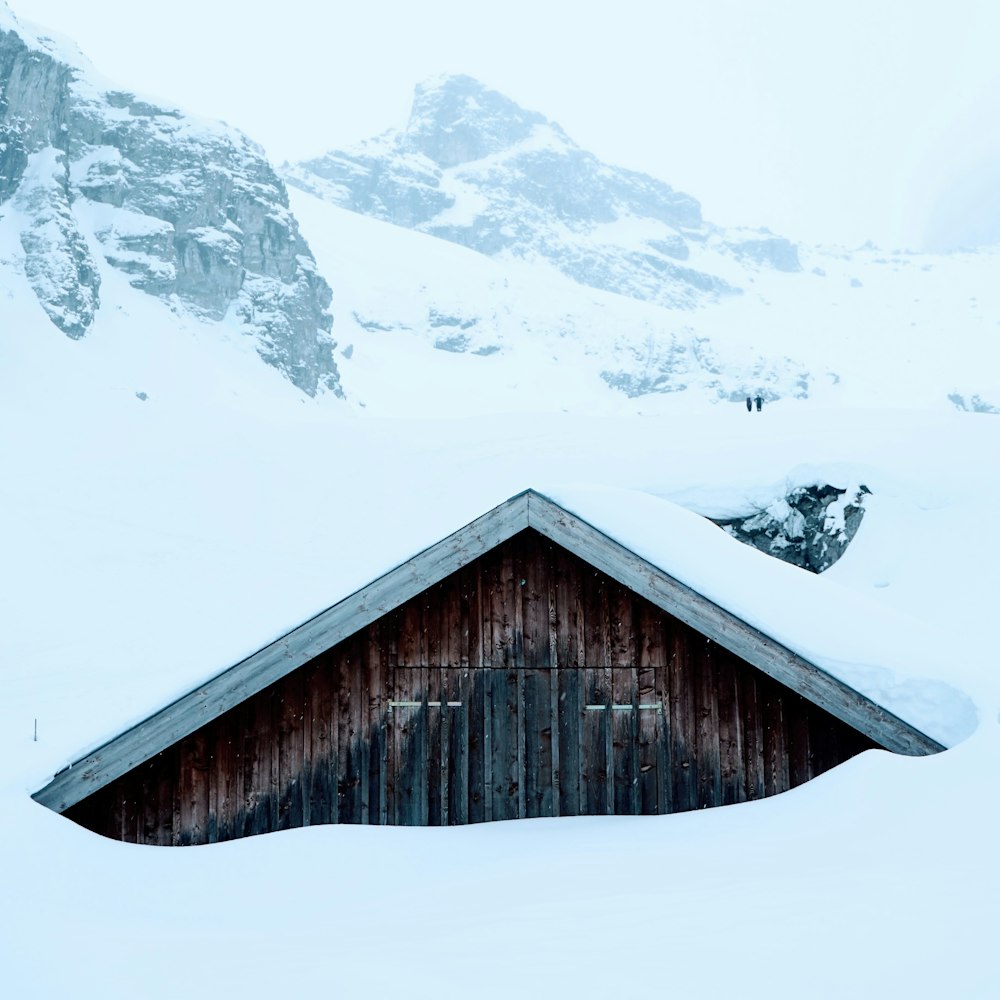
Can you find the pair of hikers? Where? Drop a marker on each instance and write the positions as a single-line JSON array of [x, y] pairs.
[[758, 399]]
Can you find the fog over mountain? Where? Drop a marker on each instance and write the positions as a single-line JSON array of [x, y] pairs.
[[231, 402], [559, 278], [474, 168], [190, 211]]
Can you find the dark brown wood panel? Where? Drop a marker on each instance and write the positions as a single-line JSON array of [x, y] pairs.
[[526, 684]]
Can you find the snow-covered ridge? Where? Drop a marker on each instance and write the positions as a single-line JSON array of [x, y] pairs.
[[652, 299], [191, 211], [430, 326], [473, 167]]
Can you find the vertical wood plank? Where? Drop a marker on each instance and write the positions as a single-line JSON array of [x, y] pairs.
[[727, 699], [535, 607], [513, 599], [194, 790], [376, 727], [458, 692], [306, 673], [571, 741], [504, 738], [520, 761], [468, 614], [595, 761], [709, 766], [651, 753], [408, 636], [436, 761], [799, 750], [265, 746], [597, 652], [148, 804], [405, 736], [775, 745], [621, 626], [624, 741], [753, 728], [682, 740], [290, 698], [322, 751], [167, 775], [570, 642], [360, 709], [480, 782], [335, 670], [223, 765], [348, 771], [538, 724]]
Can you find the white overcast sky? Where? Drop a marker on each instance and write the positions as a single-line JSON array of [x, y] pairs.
[[825, 121]]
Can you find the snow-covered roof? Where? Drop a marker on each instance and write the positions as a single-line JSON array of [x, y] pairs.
[[828, 646]]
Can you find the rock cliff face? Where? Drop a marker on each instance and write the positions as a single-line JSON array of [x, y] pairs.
[[190, 211], [811, 527], [473, 167]]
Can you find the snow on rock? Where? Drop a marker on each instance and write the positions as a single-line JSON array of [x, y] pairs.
[[475, 168], [889, 657], [57, 260], [192, 211], [527, 330], [810, 527]]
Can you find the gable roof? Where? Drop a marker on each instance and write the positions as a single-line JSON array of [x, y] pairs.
[[529, 509]]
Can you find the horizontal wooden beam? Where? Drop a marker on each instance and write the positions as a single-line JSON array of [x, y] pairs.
[[730, 632]]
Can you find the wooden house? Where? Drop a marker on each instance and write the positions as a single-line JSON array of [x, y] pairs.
[[527, 665]]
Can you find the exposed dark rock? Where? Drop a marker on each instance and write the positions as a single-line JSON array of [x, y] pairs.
[[473, 167], [457, 343], [772, 251], [438, 319], [810, 528], [974, 404], [190, 211], [57, 261]]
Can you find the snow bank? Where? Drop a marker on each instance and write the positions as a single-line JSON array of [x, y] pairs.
[[893, 659]]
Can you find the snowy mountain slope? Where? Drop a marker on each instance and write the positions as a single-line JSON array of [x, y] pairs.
[[160, 540], [190, 211], [170, 504], [506, 334], [869, 330], [473, 167]]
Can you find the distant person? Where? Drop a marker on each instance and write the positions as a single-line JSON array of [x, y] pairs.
[[759, 400], [749, 404]]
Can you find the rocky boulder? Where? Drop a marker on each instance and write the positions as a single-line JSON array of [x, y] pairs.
[[810, 528]]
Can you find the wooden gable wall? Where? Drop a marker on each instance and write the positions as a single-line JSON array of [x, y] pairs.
[[525, 684]]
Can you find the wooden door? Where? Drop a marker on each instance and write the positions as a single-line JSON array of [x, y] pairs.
[[621, 754], [428, 747], [467, 746]]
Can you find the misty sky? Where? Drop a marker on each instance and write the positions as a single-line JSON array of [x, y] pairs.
[[828, 122]]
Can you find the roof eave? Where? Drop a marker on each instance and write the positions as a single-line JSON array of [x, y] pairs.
[[527, 509]]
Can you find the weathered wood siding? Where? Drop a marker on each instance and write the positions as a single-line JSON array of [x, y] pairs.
[[525, 684]]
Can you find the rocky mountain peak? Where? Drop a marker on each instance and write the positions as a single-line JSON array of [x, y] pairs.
[[456, 119], [190, 211], [474, 167]]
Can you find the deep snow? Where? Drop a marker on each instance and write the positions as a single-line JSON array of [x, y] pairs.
[[169, 504], [151, 543]]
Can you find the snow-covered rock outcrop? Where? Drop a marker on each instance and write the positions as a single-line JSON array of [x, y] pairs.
[[811, 527], [475, 168], [191, 211]]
